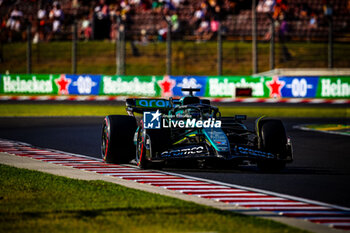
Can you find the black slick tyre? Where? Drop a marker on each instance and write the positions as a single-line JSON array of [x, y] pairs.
[[117, 139], [273, 139]]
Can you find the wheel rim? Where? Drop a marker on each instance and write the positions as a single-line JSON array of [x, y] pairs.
[[142, 150], [104, 145], [138, 148]]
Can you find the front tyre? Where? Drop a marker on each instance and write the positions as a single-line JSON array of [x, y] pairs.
[[273, 139], [117, 139]]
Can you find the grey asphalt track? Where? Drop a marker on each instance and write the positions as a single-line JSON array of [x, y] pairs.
[[321, 170]]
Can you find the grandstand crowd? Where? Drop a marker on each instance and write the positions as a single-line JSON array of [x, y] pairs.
[[146, 20]]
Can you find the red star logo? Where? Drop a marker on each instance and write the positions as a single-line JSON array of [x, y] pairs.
[[63, 84], [275, 87], [167, 85]]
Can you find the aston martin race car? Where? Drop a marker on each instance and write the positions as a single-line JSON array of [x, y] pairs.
[[161, 132]]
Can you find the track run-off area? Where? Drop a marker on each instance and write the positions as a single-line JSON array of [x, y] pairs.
[[319, 175]]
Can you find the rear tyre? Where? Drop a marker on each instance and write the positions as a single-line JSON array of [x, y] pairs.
[[273, 139], [117, 139]]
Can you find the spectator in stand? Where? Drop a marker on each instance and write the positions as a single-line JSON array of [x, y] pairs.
[[215, 19], [157, 5], [304, 11], [266, 6], [4, 34], [3, 22], [312, 25], [203, 32], [282, 35], [177, 3], [145, 5], [201, 13], [295, 12], [233, 6], [327, 8], [209, 15], [14, 22], [42, 23], [283, 26], [125, 6], [175, 25], [313, 21], [205, 7], [135, 2], [169, 5], [116, 18], [85, 29], [56, 15], [102, 24], [197, 17], [144, 39], [280, 9], [163, 31]]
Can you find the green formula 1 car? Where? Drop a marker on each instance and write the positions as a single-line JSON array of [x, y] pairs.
[[158, 132]]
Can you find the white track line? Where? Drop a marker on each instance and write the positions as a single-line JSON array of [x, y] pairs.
[[189, 186], [278, 208], [258, 203], [232, 194], [250, 198], [261, 191]]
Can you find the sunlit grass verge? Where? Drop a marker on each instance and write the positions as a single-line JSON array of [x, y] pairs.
[[103, 110], [32, 201]]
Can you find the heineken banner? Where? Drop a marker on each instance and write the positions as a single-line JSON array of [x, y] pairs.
[[226, 86], [82, 84], [333, 87], [130, 85], [166, 86], [298, 87], [28, 84]]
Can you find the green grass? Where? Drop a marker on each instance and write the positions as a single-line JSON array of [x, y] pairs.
[[37, 202], [12, 110], [189, 58]]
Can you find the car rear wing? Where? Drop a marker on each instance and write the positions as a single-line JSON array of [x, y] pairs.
[[141, 105], [146, 104]]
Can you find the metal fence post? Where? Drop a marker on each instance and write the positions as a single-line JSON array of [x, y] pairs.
[[272, 44], [168, 49], [74, 47], [121, 50], [117, 52], [330, 42], [29, 48], [254, 39], [219, 51]]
